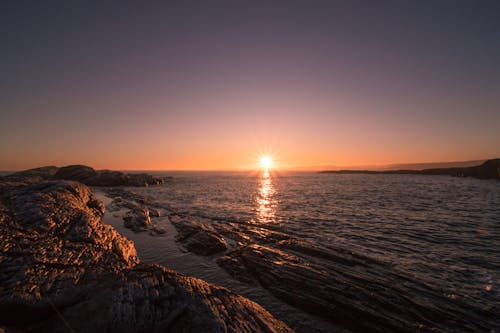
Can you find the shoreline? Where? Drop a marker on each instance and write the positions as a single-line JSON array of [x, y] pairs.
[[62, 268], [181, 260], [294, 278]]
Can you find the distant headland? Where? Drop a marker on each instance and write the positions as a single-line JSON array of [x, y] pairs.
[[490, 169]]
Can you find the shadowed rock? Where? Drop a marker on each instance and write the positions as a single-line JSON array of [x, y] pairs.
[[89, 176], [32, 175], [137, 219], [62, 270], [358, 292], [198, 238], [140, 211], [80, 173], [85, 175]]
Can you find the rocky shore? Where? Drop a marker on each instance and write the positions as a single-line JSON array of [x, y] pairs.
[[62, 266], [354, 290], [351, 289], [63, 270]]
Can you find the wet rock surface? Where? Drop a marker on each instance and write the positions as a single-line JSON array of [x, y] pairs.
[[356, 291], [199, 238], [86, 175], [350, 288], [141, 214], [62, 269], [137, 219]]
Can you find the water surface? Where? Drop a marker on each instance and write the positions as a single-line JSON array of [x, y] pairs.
[[439, 230]]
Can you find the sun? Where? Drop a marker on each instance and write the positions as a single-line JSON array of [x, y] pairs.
[[266, 161]]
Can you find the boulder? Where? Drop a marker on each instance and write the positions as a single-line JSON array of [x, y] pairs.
[[80, 173], [137, 219]]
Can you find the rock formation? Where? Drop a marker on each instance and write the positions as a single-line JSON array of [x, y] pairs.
[[87, 176], [199, 238], [140, 213], [63, 270], [351, 289]]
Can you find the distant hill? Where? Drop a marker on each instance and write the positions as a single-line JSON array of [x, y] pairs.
[[433, 165], [401, 166], [490, 169]]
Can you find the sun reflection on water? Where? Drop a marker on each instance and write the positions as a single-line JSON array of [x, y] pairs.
[[266, 204]]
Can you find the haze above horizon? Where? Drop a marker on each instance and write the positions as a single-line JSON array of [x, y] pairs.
[[207, 86]]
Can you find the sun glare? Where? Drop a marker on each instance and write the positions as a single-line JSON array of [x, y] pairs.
[[266, 161]]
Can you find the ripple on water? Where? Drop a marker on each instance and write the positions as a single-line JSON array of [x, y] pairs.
[[441, 231]]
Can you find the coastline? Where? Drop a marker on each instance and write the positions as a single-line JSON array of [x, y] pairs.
[[64, 269], [181, 260], [291, 276], [490, 169]]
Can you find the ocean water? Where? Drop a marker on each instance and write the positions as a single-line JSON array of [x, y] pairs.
[[441, 231]]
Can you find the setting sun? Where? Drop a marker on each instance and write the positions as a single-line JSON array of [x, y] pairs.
[[266, 161]]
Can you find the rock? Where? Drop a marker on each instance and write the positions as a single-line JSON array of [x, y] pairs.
[[198, 238], [33, 175], [157, 230], [137, 219], [205, 243], [80, 173], [140, 210], [86, 175], [62, 269], [154, 212], [357, 292], [110, 178]]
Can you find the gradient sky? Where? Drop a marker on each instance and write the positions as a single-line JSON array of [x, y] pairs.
[[211, 84]]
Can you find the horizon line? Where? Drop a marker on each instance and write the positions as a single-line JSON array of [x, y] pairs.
[[292, 168]]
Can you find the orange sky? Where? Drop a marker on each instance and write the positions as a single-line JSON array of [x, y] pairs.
[[179, 87]]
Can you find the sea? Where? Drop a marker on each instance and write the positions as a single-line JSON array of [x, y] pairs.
[[441, 231]]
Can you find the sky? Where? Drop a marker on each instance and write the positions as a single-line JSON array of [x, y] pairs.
[[203, 85]]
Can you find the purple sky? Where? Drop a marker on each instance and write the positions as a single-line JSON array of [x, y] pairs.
[[213, 85]]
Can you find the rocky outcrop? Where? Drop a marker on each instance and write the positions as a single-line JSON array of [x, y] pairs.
[[137, 219], [80, 173], [348, 288], [199, 238], [358, 292], [89, 176], [86, 175], [32, 175], [140, 213], [63, 270]]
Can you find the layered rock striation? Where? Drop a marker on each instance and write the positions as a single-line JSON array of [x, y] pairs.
[[63, 270], [354, 290]]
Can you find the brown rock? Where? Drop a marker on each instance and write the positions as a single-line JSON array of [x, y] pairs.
[[198, 238], [62, 269]]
